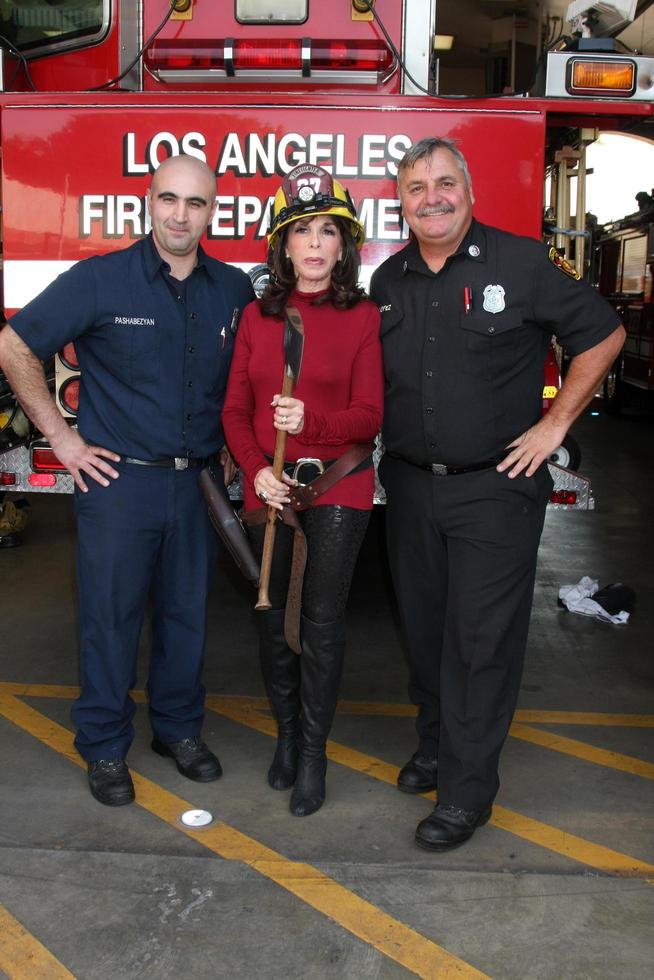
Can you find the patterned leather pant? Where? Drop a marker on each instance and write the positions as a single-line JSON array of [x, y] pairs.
[[334, 535]]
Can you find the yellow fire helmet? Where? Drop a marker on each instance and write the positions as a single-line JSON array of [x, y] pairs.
[[306, 191]]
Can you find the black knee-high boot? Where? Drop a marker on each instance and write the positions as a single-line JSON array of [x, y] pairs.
[[323, 648], [281, 675]]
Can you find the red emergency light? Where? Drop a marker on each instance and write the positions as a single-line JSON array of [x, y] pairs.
[[69, 395], [281, 54], [44, 459], [68, 357], [7, 479], [563, 497], [265, 54]]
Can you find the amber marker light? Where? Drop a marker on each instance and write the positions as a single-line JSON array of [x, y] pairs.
[[601, 77]]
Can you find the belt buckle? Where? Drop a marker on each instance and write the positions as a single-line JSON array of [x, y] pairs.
[[439, 469], [307, 461], [181, 463]]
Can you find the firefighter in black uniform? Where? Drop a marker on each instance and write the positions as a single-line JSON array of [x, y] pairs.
[[468, 312], [153, 327]]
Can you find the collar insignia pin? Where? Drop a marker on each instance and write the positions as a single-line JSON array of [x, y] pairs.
[[494, 299], [474, 251]]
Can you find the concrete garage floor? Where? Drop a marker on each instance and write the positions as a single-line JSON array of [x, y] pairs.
[[560, 884]]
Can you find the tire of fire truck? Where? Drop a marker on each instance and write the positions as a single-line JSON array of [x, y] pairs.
[[613, 388], [568, 454]]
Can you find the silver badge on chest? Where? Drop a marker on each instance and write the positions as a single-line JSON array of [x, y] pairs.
[[494, 299], [474, 251]]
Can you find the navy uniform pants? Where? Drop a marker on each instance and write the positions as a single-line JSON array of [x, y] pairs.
[[145, 539], [462, 551]]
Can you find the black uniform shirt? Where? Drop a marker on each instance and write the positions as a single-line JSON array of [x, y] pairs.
[[154, 357], [462, 383]]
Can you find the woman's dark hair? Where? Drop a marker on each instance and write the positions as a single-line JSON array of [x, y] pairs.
[[344, 292]]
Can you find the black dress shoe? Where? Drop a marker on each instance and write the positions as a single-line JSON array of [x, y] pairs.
[[448, 826], [110, 782], [418, 775], [194, 760]]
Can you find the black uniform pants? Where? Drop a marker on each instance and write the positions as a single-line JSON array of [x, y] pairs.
[[462, 551]]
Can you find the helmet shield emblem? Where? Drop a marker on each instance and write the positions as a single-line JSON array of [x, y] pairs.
[[306, 191]]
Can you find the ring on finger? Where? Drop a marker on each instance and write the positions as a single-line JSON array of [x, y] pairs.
[[263, 496]]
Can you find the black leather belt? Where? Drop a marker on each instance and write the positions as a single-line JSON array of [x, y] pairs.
[[444, 469], [175, 463], [308, 468]]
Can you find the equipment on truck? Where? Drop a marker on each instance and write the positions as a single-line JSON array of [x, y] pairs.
[[96, 93]]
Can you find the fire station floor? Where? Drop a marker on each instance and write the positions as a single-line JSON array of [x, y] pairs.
[[560, 883]]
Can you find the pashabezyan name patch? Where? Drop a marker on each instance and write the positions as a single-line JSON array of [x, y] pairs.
[[562, 263]]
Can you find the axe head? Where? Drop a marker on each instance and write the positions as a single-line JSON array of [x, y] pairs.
[[293, 343]]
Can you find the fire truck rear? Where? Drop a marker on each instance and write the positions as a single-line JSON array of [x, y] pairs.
[[96, 93], [624, 260]]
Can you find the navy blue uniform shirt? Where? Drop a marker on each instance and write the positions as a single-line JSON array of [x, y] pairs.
[[464, 348], [154, 366]]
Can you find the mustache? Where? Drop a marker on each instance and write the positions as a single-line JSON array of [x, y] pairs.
[[430, 212]]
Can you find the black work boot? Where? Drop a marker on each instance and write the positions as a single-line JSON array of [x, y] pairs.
[[419, 774], [323, 649], [281, 675], [110, 782]]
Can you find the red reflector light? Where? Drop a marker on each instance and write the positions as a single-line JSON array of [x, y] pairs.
[[42, 479], [69, 357], [7, 479], [45, 459], [563, 497], [69, 395]]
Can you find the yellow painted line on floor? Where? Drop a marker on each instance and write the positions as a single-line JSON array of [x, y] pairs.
[[581, 750], [394, 939], [345, 756], [69, 693], [39, 690], [23, 957], [583, 718], [550, 838], [387, 709], [576, 848]]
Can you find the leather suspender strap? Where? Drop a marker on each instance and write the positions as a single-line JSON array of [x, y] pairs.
[[298, 564], [303, 497], [295, 583]]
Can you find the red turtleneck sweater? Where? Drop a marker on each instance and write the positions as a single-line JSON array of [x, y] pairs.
[[341, 385]]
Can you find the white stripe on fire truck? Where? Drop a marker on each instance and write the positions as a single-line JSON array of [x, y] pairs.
[[26, 278]]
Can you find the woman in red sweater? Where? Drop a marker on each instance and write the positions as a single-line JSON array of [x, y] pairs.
[[315, 236]]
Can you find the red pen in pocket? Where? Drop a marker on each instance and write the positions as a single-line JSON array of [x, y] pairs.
[[467, 299]]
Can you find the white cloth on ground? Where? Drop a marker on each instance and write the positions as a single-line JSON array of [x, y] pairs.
[[577, 599]]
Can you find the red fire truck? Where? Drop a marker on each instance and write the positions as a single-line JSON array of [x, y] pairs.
[[96, 93]]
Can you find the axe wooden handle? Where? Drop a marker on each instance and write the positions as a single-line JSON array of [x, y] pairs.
[[263, 600]]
